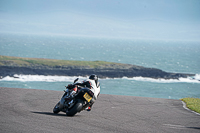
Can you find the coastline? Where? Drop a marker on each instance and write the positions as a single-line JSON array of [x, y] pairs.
[[9, 66], [102, 73]]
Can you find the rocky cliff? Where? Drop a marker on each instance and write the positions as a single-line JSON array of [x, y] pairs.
[[12, 65], [101, 72]]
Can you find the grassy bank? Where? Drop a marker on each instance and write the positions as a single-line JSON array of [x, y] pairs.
[[20, 61], [192, 103]]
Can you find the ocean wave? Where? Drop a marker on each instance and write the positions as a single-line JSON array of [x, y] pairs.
[[42, 78], [193, 79]]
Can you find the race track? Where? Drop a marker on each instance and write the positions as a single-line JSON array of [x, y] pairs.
[[30, 111]]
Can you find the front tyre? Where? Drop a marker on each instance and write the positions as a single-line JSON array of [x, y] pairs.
[[56, 109], [76, 108]]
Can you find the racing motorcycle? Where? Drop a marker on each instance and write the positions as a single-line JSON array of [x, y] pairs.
[[82, 99]]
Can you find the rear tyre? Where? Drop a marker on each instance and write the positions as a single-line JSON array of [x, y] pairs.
[[56, 109], [76, 108]]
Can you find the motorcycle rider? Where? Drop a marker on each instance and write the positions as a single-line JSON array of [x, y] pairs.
[[91, 83]]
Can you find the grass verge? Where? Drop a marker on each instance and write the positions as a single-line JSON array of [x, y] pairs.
[[192, 103], [20, 61]]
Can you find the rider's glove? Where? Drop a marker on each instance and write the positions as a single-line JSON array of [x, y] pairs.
[[70, 86]]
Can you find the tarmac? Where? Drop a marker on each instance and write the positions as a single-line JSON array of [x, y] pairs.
[[31, 111]]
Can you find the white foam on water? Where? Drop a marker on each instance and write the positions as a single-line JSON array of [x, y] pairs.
[[194, 79], [42, 78]]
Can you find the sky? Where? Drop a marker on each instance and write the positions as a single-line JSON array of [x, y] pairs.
[[131, 19]]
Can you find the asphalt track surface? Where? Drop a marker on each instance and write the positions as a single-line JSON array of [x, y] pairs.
[[30, 111]]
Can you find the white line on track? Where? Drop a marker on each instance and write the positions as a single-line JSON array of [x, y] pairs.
[[185, 107]]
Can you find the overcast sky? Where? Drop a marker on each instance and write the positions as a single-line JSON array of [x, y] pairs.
[[136, 19]]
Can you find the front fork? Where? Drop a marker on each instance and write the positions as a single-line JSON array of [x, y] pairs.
[[67, 95], [62, 100]]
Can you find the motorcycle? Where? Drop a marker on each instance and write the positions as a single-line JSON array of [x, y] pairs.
[[82, 99]]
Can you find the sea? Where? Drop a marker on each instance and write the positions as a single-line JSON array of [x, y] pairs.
[[168, 55]]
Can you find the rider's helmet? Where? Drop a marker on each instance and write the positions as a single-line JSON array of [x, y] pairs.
[[94, 77]]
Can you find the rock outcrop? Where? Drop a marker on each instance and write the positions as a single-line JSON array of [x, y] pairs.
[[9, 66], [119, 71]]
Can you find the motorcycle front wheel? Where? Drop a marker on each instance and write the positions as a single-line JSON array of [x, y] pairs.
[[56, 109], [76, 108]]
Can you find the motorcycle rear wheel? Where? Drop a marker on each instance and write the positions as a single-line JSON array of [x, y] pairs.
[[76, 108]]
